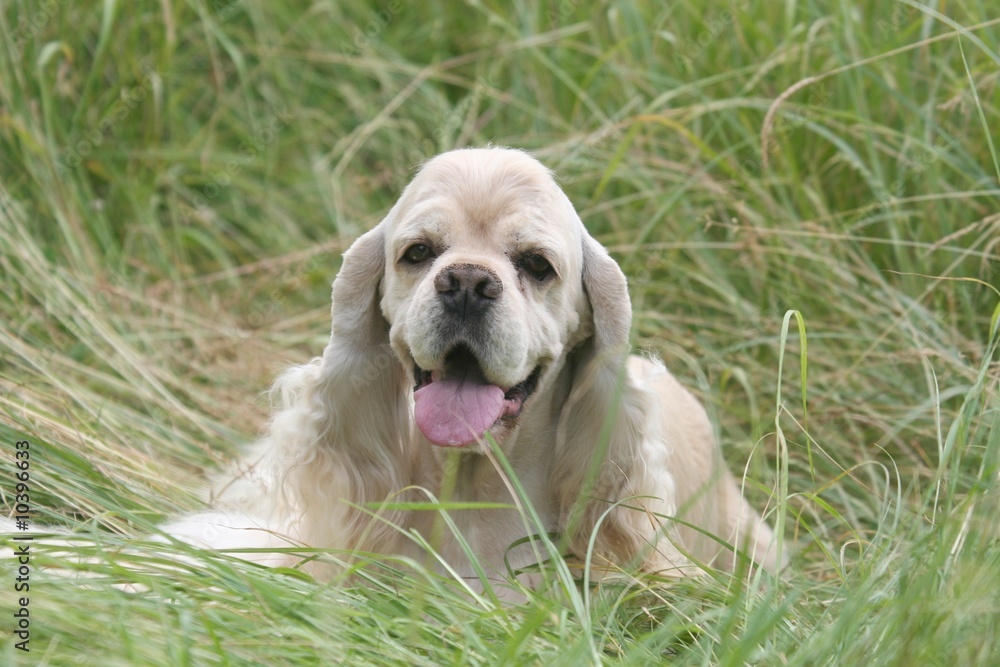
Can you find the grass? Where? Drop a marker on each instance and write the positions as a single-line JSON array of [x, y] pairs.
[[178, 179]]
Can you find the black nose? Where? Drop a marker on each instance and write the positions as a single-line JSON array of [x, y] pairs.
[[466, 289]]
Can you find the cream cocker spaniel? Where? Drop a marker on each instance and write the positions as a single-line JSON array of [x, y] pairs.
[[481, 309]]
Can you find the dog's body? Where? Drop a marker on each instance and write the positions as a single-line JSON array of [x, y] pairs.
[[481, 309]]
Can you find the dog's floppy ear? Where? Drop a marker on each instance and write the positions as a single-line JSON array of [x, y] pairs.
[[358, 323], [343, 430], [607, 291], [361, 374], [599, 475]]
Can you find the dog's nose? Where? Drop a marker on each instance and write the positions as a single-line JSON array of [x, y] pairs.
[[466, 289]]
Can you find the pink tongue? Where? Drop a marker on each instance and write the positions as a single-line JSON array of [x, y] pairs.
[[453, 413]]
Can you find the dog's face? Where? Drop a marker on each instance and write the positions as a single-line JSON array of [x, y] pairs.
[[482, 290]]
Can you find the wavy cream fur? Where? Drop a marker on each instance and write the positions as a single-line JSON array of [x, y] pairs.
[[608, 448]]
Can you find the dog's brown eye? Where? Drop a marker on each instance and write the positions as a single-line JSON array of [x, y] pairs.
[[537, 266], [417, 253]]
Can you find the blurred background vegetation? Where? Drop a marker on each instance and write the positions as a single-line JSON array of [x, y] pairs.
[[179, 178]]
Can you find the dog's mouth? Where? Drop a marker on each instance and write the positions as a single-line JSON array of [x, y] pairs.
[[456, 406]]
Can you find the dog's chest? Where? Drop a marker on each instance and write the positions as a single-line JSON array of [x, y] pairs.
[[483, 519]]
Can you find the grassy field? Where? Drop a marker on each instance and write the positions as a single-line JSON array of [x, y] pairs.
[[179, 178]]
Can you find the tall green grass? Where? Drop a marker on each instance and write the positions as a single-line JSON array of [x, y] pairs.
[[178, 179]]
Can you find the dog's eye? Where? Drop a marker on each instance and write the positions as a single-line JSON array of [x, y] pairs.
[[537, 266], [417, 253]]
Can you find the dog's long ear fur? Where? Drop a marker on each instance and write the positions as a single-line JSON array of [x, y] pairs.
[[600, 474], [342, 438]]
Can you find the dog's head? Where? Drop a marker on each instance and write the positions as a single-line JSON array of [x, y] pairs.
[[486, 278]]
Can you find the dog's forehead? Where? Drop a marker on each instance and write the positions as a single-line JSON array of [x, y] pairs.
[[488, 195]]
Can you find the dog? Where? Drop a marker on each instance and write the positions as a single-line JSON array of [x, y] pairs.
[[481, 334]]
